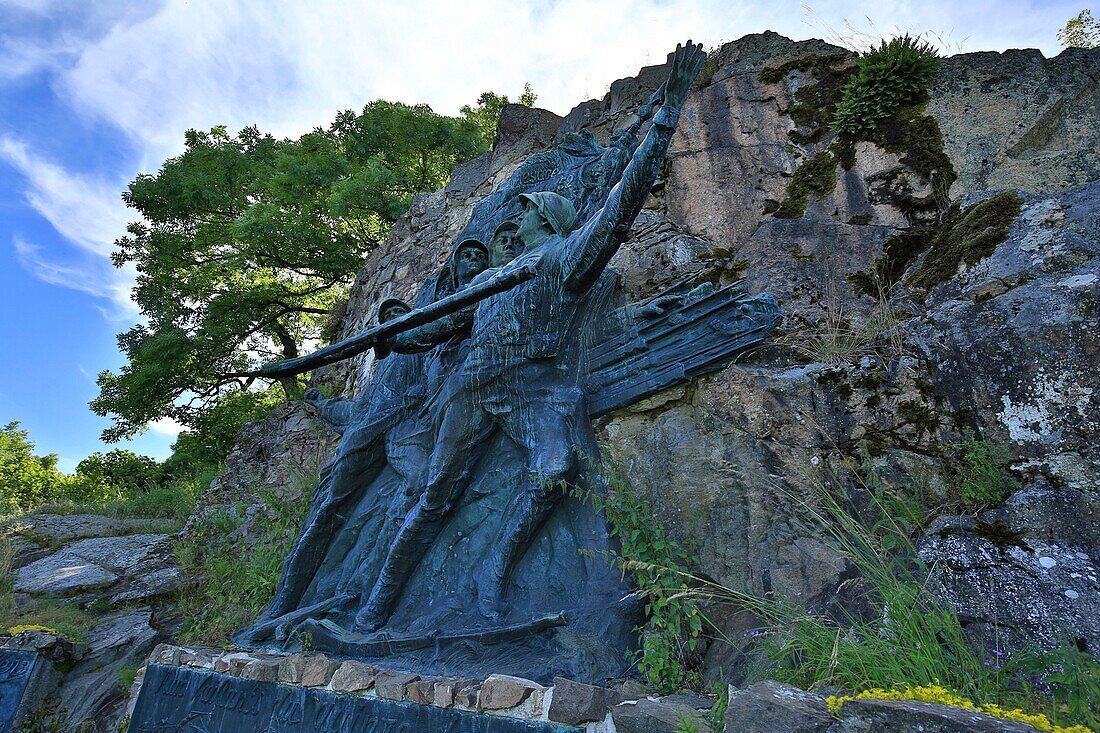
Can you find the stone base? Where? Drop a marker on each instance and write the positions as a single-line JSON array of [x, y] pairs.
[[222, 702]]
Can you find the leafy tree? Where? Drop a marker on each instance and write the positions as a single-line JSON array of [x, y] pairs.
[[1081, 31], [123, 472], [489, 105], [246, 242], [205, 445], [26, 479]]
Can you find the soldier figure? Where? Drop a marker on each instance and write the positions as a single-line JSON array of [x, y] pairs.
[[523, 373]]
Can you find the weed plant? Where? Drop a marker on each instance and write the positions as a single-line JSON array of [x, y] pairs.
[[912, 642], [229, 582], [892, 76], [657, 565]]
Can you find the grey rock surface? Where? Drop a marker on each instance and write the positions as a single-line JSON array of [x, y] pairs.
[[130, 568], [1024, 362], [90, 694], [773, 707], [1016, 120], [63, 528], [1013, 591], [280, 455], [652, 716], [880, 716], [62, 573]]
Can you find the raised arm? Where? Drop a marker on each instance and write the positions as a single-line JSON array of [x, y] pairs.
[[599, 239]]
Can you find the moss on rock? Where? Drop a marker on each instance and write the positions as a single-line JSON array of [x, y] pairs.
[[816, 176], [966, 236]]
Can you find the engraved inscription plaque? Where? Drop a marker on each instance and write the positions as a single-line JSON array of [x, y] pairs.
[[16, 671], [183, 700]]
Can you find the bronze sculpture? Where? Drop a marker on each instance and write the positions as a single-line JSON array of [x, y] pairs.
[[455, 546]]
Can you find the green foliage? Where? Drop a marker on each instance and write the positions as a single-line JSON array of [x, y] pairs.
[[816, 177], [245, 243], [966, 236], [227, 582], [911, 641], [117, 483], [980, 472], [213, 430], [25, 478], [126, 676], [63, 616], [486, 113], [892, 76], [658, 565], [1071, 677], [716, 716], [121, 471], [1081, 31]]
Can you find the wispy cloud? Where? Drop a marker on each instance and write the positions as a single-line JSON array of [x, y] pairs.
[[86, 211], [152, 70], [80, 271]]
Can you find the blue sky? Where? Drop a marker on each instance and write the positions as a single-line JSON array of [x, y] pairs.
[[92, 94]]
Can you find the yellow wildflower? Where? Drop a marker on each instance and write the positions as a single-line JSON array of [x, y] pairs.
[[943, 696], [30, 627]]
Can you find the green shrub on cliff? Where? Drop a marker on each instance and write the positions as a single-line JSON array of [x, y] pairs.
[[892, 76], [658, 566]]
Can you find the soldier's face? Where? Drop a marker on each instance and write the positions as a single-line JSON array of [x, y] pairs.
[[532, 223], [506, 247], [392, 312], [470, 262]]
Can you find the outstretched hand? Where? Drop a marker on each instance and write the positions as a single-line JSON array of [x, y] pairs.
[[686, 63]]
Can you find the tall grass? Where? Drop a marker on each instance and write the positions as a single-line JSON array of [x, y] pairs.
[[909, 641], [230, 580]]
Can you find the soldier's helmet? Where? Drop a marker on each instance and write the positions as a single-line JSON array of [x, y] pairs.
[[558, 211], [390, 304]]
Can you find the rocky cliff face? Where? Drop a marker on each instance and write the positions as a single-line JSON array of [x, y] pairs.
[[998, 342]]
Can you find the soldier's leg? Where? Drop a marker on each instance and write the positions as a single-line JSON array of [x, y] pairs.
[[361, 454], [547, 439], [463, 429]]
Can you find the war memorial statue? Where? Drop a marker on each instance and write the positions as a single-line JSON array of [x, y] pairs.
[[450, 534]]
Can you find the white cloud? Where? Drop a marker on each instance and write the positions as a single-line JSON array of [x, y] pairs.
[[87, 212], [89, 215], [79, 271], [153, 70], [166, 426]]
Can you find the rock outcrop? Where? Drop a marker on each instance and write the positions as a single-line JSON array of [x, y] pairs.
[[877, 365]]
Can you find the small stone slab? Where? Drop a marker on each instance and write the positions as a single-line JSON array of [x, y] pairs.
[[500, 692], [61, 573], [170, 695], [773, 707], [354, 677], [17, 673], [318, 670], [391, 685], [653, 716], [575, 703]]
